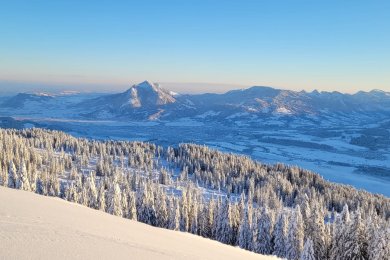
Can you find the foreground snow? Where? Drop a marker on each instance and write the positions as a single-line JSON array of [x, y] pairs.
[[38, 227]]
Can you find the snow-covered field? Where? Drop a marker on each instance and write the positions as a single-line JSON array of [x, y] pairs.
[[38, 227]]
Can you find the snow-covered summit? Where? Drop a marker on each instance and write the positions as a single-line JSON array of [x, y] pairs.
[[146, 94], [140, 101]]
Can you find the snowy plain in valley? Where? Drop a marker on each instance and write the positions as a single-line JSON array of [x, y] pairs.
[[38, 227]]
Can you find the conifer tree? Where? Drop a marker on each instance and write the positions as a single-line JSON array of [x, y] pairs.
[[356, 243], [132, 206], [4, 176], [92, 193], [23, 182], [161, 209], [224, 223], [380, 248], [101, 199], [294, 245], [280, 235], [174, 219], [244, 231], [115, 203], [308, 251], [12, 175], [264, 233]]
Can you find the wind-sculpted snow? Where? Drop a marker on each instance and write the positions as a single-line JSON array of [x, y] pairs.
[[269, 209]]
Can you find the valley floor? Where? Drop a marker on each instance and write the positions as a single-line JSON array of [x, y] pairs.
[[38, 227]]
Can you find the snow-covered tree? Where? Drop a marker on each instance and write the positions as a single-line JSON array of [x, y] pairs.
[[380, 245], [245, 240], [263, 243], [224, 230], [184, 213], [3, 176], [161, 209], [101, 199], [92, 193], [308, 251], [174, 219], [294, 245], [145, 205], [280, 235], [12, 175], [132, 206], [339, 235], [356, 243], [318, 233], [23, 182], [114, 200]]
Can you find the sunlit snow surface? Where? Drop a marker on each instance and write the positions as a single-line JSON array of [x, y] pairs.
[[39, 227]]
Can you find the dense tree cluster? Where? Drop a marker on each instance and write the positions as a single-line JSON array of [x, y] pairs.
[[268, 209]]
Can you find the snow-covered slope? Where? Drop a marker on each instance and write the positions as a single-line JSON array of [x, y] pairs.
[[24, 99], [38, 227]]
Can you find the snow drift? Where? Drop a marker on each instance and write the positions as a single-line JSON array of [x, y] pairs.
[[38, 227]]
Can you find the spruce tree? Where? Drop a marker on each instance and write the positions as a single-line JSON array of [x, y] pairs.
[[132, 206], [245, 240], [356, 243], [308, 251], [280, 235], [294, 245], [380, 248], [23, 182], [115, 204], [264, 236], [12, 175], [174, 219]]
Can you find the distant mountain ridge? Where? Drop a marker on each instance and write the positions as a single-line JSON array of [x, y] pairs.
[[149, 101], [20, 99]]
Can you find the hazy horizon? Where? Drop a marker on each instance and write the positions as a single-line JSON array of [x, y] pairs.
[[14, 87]]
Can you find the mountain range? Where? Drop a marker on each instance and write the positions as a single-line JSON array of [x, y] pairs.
[[150, 101]]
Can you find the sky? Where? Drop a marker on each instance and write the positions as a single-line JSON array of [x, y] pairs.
[[195, 46]]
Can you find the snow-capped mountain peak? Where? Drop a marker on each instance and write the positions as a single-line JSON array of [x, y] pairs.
[[149, 94], [139, 101]]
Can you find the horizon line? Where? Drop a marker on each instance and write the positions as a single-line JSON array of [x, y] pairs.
[[104, 87]]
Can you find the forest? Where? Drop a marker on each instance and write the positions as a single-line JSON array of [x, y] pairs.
[[269, 209]]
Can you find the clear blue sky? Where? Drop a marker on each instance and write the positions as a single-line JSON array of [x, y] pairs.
[[327, 45]]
